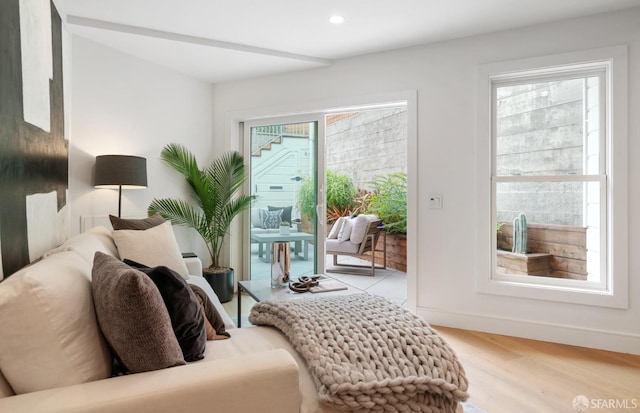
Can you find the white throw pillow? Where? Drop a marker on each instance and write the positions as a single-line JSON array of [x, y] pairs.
[[345, 231], [360, 226], [50, 336], [335, 229], [152, 247], [256, 221]]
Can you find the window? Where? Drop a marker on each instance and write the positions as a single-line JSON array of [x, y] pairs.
[[549, 178], [553, 170]]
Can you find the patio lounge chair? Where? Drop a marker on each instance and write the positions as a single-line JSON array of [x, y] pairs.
[[354, 237]]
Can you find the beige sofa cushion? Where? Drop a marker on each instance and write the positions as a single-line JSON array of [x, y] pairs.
[[87, 243], [133, 316], [333, 246], [5, 389], [250, 340], [152, 247], [49, 334]]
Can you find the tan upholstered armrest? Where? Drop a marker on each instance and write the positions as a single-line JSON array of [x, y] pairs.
[[259, 382]]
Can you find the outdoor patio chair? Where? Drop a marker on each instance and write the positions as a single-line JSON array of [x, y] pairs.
[[354, 237]]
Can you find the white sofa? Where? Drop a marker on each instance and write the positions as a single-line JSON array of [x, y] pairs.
[[48, 323]]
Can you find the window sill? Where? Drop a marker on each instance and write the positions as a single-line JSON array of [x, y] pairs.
[[557, 290]]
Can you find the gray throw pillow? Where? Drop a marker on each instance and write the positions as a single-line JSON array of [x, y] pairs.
[[137, 224], [133, 316], [272, 219], [286, 212]]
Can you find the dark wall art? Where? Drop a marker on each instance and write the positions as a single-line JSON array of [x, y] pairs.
[[33, 148]]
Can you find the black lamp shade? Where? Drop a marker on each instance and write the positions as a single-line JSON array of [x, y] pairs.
[[120, 171]]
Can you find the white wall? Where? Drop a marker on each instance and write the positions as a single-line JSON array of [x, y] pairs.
[[124, 105], [444, 75]]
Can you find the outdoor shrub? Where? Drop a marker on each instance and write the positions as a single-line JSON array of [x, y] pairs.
[[340, 190], [306, 202], [340, 194], [389, 201], [358, 206]]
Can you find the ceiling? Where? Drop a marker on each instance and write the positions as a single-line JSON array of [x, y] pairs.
[[222, 40]]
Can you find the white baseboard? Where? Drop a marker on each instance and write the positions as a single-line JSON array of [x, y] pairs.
[[555, 333]]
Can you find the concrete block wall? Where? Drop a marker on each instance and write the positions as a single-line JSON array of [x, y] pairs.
[[367, 144], [540, 131]]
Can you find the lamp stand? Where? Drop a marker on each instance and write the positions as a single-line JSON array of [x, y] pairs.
[[119, 200]]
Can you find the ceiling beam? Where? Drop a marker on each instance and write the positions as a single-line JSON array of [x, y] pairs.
[[159, 34]]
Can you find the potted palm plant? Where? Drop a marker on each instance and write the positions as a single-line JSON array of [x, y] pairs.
[[215, 202]]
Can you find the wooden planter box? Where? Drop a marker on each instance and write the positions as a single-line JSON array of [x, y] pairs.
[[396, 252], [306, 224], [565, 248], [523, 264]]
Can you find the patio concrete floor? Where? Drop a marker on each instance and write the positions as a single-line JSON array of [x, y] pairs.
[[388, 283]]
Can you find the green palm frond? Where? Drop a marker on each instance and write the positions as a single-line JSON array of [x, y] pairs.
[[180, 159], [178, 212], [231, 209], [227, 172], [214, 191]]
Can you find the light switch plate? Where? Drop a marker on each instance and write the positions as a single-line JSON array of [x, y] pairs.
[[435, 201]]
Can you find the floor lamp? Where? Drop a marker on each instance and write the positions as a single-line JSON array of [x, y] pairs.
[[120, 171]]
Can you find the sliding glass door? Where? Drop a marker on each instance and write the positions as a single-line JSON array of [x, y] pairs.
[[283, 158]]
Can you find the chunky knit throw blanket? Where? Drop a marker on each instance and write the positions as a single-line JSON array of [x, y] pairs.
[[367, 354]]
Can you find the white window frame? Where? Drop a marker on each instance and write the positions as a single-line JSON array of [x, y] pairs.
[[599, 70], [612, 289]]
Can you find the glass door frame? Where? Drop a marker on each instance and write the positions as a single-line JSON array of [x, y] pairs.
[[320, 223]]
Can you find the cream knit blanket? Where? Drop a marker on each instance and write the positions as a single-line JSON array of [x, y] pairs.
[[367, 354]]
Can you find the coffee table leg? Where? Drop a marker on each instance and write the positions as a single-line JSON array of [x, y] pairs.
[[239, 305], [264, 254]]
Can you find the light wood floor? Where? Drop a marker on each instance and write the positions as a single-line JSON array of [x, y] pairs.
[[508, 374], [515, 375]]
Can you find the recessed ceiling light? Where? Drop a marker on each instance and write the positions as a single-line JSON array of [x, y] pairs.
[[336, 19]]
